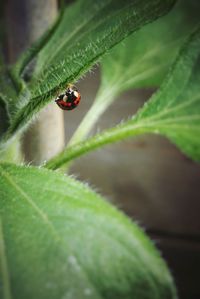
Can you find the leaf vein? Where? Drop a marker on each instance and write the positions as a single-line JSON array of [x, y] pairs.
[[29, 200]]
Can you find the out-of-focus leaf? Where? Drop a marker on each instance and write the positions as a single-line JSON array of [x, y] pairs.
[[59, 239], [87, 30], [174, 111], [142, 60], [8, 93]]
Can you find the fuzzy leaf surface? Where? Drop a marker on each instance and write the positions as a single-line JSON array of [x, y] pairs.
[[141, 60], [59, 239], [86, 31], [173, 111]]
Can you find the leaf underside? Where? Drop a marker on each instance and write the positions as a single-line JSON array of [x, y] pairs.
[[143, 59], [86, 31]]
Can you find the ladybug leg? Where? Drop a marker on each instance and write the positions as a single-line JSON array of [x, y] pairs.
[[57, 95]]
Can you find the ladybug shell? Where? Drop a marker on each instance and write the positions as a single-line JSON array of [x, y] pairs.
[[69, 100]]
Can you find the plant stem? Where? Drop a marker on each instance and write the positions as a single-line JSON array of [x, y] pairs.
[[27, 21], [103, 99], [106, 137]]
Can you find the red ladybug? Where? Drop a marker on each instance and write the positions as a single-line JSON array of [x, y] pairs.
[[70, 99]]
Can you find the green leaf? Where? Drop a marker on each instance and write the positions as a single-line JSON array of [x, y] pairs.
[[87, 30], [7, 87], [8, 92], [25, 64], [142, 60], [59, 239], [174, 111]]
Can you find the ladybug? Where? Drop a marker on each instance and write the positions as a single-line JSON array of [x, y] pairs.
[[69, 99]]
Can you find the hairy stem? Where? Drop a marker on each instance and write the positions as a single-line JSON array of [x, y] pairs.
[[106, 137], [27, 21], [103, 100]]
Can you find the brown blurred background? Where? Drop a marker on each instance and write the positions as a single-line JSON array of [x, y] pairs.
[[149, 179]]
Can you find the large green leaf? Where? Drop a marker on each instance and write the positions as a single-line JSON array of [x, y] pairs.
[[142, 60], [174, 111], [87, 30], [59, 239]]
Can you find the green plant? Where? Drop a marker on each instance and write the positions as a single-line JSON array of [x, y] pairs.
[[58, 238]]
